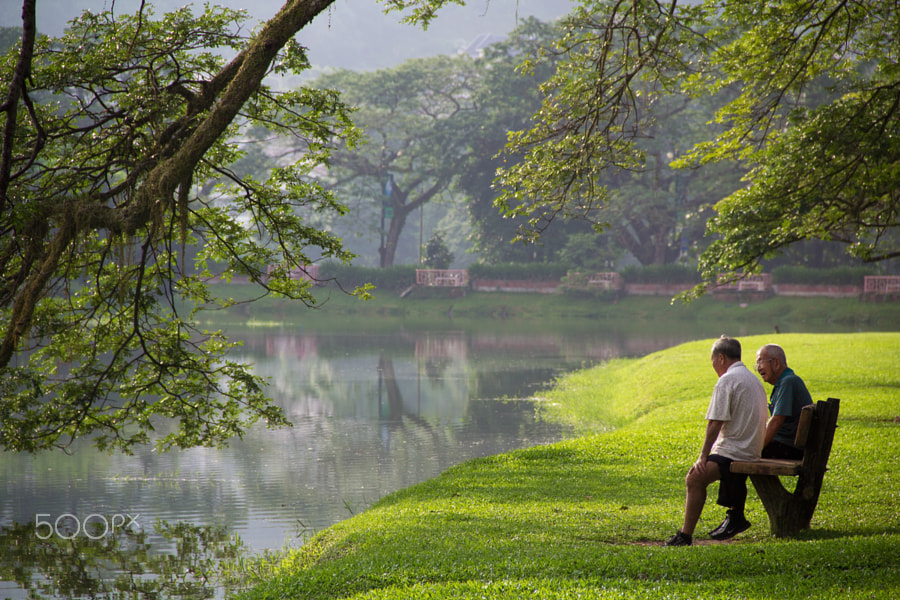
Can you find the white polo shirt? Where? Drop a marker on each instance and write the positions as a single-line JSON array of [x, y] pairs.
[[740, 400]]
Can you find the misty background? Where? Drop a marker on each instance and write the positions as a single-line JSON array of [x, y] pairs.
[[353, 34]]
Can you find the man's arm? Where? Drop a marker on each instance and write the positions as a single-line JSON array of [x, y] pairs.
[[713, 428], [772, 427]]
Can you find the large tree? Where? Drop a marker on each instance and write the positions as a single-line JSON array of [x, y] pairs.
[[509, 96], [418, 120], [814, 110], [819, 118], [107, 134], [654, 211]]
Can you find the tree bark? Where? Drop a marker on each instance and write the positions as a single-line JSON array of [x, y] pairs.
[[249, 68]]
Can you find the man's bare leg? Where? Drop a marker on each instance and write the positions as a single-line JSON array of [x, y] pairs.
[[696, 482]]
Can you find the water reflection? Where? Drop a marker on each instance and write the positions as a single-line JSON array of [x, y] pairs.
[[372, 413], [45, 563]]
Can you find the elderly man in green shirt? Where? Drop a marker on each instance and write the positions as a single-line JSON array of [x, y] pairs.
[[788, 397]]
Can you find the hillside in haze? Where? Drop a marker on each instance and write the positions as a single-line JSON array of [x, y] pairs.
[[354, 34]]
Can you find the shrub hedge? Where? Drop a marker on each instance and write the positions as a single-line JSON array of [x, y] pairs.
[[520, 271], [835, 276], [396, 278], [661, 274]]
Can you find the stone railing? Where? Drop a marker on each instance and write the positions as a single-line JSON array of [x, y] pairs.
[[748, 283], [881, 285], [442, 277], [605, 281]]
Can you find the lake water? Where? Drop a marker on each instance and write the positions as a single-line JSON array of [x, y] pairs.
[[372, 413]]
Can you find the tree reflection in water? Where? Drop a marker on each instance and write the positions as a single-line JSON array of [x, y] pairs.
[[373, 413], [177, 561]]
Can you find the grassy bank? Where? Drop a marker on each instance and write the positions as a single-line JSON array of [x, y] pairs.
[[438, 309], [584, 518]]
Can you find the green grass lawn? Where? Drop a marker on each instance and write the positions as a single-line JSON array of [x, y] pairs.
[[585, 518]]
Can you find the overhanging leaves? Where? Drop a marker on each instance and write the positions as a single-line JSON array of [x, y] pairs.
[[109, 231]]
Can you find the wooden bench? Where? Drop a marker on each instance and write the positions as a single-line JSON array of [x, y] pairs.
[[789, 513]]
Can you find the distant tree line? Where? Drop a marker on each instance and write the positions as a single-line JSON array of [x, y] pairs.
[[401, 277], [642, 183]]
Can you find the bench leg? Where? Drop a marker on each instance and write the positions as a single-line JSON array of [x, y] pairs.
[[789, 513]]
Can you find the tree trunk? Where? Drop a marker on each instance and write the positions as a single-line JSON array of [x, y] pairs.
[[398, 221]]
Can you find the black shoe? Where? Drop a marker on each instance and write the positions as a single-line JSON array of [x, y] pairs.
[[730, 527], [680, 539], [722, 526]]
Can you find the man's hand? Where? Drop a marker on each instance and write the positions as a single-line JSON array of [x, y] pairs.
[[713, 428], [699, 466]]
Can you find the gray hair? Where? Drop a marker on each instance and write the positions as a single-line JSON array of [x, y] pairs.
[[730, 348], [775, 351]]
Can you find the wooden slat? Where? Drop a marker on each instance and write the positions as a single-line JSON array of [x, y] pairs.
[[767, 466], [806, 415]]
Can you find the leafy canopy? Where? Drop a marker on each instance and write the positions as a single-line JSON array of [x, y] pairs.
[[107, 241], [118, 203], [121, 196], [419, 120], [819, 117], [809, 99]]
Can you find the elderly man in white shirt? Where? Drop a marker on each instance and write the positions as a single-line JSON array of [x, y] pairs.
[[735, 430]]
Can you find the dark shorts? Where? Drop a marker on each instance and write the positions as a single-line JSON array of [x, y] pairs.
[[732, 486], [776, 449], [724, 463]]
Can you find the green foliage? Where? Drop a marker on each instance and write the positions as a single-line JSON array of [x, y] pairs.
[[591, 251], [802, 96], [520, 271], [585, 517], [835, 276], [609, 83], [838, 155], [418, 120], [436, 253], [419, 11], [117, 143], [816, 115], [511, 73]]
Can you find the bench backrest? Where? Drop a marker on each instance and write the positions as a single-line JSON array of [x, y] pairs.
[[804, 424], [816, 432]]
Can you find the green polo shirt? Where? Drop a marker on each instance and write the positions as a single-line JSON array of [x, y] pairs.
[[788, 397]]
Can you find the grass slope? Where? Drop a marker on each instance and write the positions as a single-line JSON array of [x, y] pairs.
[[475, 309], [584, 518]]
